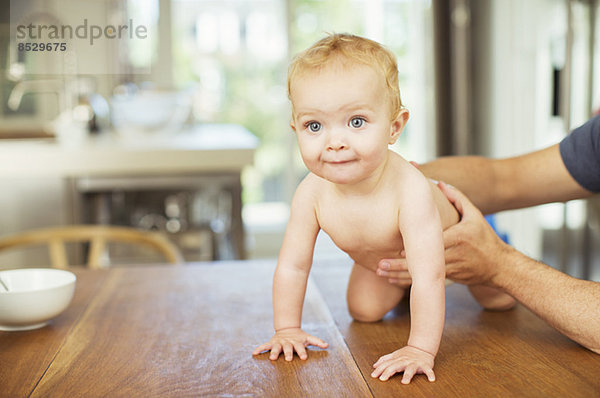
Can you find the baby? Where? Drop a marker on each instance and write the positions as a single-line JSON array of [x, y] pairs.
[[346, 110]]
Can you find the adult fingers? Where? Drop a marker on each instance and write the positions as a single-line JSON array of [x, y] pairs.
[[453, 236], [453, 195], [392, 264], [394, 274], [460, 201], [401, 283]]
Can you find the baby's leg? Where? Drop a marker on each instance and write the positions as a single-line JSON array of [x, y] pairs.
[[369, 296], [491, 298]]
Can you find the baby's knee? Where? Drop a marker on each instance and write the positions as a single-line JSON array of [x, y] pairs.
[[365, 312], [491, 298], [504, 303], [365, 316]]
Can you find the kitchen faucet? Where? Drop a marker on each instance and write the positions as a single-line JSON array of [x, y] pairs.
[[37, 86], [90, 113]]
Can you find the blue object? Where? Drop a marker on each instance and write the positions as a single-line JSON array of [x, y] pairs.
[[491, 219]]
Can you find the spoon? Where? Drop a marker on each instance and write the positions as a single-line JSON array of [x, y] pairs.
[[4, 285]]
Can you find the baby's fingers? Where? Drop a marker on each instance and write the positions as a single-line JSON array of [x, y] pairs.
[[261, 348], [275, 351], [390, 370], [413, 369], [317, 342], [381, 366], [429, 373], [288, 351], [301, 350], [409, 372], [377, 372], [382, 360]]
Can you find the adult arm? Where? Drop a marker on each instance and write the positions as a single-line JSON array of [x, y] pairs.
[[501, 184], [475, 255], [564, 171]]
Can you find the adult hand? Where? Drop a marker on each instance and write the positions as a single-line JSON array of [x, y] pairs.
[[472, 248]]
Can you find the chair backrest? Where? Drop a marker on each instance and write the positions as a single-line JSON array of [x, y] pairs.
[[98, 235]]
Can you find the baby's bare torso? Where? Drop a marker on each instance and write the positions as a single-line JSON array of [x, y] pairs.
[[366, 227]]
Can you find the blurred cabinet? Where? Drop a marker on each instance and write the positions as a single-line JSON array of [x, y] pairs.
[[27, 203], [185, 183], [200, 213]]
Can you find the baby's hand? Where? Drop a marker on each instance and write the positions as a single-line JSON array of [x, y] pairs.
[[409, 359], [288, 341]]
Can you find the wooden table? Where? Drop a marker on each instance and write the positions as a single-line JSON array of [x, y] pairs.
[[190, 330]]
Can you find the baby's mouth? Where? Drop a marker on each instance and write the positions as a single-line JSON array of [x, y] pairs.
[[340, 161]]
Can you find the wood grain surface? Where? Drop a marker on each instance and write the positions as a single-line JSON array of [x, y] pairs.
[[25, 356], [189, 330], [482, 353]]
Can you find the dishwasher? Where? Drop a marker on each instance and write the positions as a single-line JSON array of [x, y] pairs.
[[200, 214]]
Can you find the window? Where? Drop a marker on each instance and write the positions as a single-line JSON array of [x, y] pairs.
[[235, 54]]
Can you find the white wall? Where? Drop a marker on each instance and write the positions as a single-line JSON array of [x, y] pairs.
[[28, 203], [523, 34]]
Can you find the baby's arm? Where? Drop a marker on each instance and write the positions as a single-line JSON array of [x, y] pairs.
[[421, 228], [290, 279]]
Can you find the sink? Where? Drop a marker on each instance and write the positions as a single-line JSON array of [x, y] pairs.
[[150, 111]]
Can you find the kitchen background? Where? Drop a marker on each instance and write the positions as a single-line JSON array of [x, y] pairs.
[[188, 131]]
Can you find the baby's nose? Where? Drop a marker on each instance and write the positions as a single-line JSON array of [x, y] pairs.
[[336, 142]]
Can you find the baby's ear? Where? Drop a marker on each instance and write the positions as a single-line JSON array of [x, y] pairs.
[[293, 125], [398, 125]]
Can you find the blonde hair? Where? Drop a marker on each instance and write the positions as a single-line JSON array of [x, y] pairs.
[[343, 46]]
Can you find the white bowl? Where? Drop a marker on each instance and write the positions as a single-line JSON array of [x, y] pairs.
[[34, 296], [150, 111]]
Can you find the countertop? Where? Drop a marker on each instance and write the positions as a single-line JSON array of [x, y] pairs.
[[202, 148]]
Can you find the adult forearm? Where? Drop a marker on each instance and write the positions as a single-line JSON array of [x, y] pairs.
[[475, 176], [570, 305], [512, 183]]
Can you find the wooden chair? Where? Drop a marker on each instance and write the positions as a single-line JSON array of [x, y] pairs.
[[96, 235]]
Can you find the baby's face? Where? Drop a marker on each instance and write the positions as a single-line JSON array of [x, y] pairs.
[[342, 121]]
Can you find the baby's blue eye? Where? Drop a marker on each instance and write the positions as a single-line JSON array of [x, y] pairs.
[[357, 122], [314, 126]]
